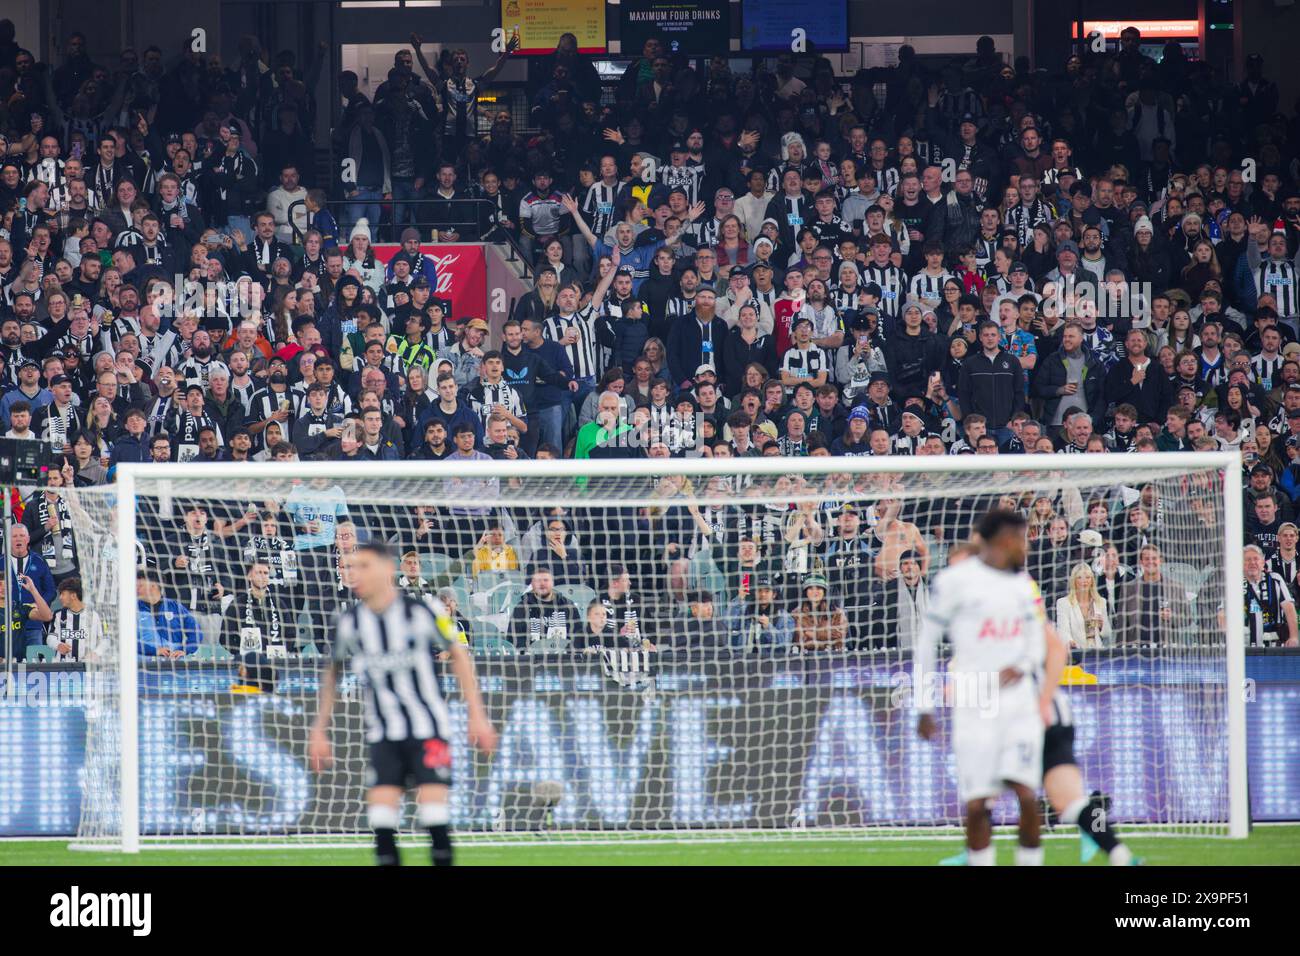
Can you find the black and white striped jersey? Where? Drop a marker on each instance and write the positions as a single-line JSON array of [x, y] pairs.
[[395, 655], [61, 198], [678, 306], [893, 286], [1024, 218], [927, 286], [1062, 714], [1265, 617], [1267, 370], [686, 178], [582, 354], [485, 397], [805, 363], [82, 631], [886, 179], [984, 250], [598, 206], [1053, 176], [1278, 279]]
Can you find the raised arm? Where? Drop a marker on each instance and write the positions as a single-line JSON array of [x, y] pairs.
[[571, 206], [495, 68]]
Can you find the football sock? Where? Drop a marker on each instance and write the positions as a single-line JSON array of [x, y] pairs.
[[383, 820], [435, 818]]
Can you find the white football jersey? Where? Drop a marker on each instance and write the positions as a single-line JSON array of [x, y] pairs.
[[994, 619]]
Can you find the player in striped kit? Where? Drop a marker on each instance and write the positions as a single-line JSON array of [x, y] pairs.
[[1062, 780], [394, 643]]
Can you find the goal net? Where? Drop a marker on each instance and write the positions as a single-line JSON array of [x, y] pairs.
[[670, 648]]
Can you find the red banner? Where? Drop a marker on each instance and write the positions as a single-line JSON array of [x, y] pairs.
[[462, 275]]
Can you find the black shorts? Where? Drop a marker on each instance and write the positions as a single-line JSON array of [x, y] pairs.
[[1058, 746], [411, 762]]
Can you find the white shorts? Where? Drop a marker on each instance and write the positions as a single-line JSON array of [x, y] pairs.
[[993, 748]]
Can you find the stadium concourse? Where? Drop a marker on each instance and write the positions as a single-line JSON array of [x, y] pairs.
[[984, 261]]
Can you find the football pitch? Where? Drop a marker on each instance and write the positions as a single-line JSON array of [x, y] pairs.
[[1266, 846]]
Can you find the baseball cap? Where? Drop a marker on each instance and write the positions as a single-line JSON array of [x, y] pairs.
[[705, 370], [1019, 266], [479, 324], [1068, 246], [60, 380]]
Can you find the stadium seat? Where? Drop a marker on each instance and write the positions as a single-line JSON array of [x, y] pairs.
[[493, 647], [212, 652], [489, 580], [40, 652], [705, 574], [579, 594], [437, 567], [309, 650], [1185, 575]]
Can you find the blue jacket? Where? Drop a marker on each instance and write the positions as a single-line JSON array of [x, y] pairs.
[[557, 357], [42, 398], [463, 414], [168, 624], [39, 572], [128, 448]]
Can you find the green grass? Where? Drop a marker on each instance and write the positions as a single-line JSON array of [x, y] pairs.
[[1266, 846]]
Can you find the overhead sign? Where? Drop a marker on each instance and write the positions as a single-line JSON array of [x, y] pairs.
[[541, 23], [1111, 29], [778, 26], [693, 27]]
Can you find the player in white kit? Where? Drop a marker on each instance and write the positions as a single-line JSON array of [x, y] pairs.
[[992, 613]]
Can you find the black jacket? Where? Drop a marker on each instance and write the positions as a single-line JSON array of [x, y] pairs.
[[1151, 399], [992, 387], [911, 360], [1050, 377]]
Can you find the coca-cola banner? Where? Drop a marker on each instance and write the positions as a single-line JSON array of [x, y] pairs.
[[462, 274]]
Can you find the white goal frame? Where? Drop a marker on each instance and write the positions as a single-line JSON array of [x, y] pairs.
[[127, 475]]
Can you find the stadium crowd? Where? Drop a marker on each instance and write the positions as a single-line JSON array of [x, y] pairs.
[[1096, 258]]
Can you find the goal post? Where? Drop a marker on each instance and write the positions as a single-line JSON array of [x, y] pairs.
[[714, 715]]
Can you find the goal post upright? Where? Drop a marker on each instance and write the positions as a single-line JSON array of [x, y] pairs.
[[127, 677], [1234, 612]]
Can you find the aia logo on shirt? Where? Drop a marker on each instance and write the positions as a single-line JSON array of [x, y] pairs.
[[994, 629]]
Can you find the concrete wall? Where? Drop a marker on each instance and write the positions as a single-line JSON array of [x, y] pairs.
[[1271, 30], [26, 17]]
